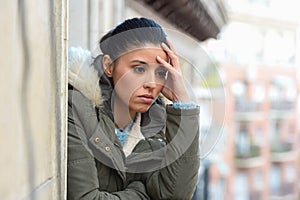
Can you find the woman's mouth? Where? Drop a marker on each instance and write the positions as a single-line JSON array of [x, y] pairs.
[[146, 98]]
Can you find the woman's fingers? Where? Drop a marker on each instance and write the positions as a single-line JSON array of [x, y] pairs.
[[171, 46], [172, 55], [174, 88], [165, 64]]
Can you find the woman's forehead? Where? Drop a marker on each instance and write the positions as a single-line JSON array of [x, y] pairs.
[[145, 53]]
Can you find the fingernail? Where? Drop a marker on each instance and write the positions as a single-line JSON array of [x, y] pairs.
[[164, 45]]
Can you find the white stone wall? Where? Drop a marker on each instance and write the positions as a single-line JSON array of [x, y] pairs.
[[33, 111], [90, 19]]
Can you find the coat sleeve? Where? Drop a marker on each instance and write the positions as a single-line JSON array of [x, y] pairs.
[[82, 177], [178, 179]]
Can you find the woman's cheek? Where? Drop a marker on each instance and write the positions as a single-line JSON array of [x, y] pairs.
[[127, 85]]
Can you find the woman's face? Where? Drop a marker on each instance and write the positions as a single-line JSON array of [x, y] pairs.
[[138, 77]]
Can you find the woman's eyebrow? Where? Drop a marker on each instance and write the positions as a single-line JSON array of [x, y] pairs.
[[161, 67], [139, 61]]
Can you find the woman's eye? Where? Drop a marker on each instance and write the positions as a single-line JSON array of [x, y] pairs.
[[139, 69], [162, 74]]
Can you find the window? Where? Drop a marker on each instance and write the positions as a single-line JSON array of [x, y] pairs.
[[238, 89], [242, 141], [275, 179], [275, 132], [259, 138], [259, 92], [241, 187], [217, 190], [258, 181], [290, 173]]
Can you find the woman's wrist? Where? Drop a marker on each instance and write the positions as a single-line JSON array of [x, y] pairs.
[[183, 99]]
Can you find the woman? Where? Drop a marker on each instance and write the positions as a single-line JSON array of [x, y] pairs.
[[123, 141]]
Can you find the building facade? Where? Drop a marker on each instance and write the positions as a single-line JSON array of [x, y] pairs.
[[258, 53]]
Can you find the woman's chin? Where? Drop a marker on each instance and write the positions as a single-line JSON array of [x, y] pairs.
[[142, 109]]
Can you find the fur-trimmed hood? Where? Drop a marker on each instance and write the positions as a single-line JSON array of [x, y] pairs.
[[82, 75]]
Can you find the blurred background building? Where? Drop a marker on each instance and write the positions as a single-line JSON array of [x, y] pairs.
[[258, 54], [240, 57]]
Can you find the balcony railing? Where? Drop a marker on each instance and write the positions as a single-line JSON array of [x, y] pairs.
[[283, 152], [254, 151], [282, 105], [248, 110], [282, 147], [249, 159], [246, 106], [284, 190]]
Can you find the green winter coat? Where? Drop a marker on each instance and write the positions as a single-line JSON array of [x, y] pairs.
[[164, 165]]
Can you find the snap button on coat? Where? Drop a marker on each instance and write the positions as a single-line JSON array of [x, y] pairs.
[[107, 148], [97, 140]]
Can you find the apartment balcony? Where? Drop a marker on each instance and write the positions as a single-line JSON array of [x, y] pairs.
[[249, 159], [281, 109], [285, 191], [248, 110], [281, 147], [283, 152], [246, 106], [205, 17], [282, 105]]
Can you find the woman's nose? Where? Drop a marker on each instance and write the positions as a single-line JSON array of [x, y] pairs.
[[150, 85], [149, 81]]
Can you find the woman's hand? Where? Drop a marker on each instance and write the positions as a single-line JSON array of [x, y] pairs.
[[174, 88]]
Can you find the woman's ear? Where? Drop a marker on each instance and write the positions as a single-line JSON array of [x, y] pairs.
[[107, 65]]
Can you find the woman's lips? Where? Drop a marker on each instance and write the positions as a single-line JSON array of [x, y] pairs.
[[146, 98]]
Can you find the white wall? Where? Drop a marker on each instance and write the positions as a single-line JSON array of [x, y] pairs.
[[32, 87], [89, 20]]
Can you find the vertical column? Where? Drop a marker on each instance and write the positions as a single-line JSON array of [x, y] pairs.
[[119, 11], [59, 26], [107, 16], [94, 23], [78, 23]]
